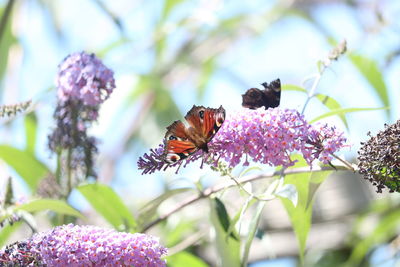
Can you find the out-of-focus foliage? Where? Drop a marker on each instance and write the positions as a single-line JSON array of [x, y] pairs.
[[168, 55]]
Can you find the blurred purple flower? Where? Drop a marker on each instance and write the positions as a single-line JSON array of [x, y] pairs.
[[72, 245], [263, 136], [19, 254], [84, 77], [83, 83]]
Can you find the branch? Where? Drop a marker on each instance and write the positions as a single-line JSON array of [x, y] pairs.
[[211, 190]]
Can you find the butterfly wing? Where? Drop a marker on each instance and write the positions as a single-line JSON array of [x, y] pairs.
[[205, 121], [270, 97], [177, 144]]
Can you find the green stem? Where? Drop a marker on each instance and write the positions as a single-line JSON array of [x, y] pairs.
[[69, 172]]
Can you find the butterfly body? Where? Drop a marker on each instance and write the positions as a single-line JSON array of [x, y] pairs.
[[182, 140], [269, 97]]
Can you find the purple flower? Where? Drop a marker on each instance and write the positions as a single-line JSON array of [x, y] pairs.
[[270, 136], [72, 245], [83, 83], [379, 158], [19, 254], [84, 77], [263, 136]]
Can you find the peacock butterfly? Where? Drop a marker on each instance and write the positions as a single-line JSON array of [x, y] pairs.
[[183, 139], [270, 97]]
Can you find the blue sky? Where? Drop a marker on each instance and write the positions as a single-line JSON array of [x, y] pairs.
[[289, 49]]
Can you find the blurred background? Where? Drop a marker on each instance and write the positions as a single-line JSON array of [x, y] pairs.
[[170, 54]]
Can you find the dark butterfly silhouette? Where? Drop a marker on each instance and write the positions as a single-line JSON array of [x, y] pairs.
[[270, 97], [182, 140]]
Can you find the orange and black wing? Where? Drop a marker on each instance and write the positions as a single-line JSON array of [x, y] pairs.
[[176, 143], [206, 121]]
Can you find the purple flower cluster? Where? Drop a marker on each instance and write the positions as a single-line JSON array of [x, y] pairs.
[[19, 254], [92, 246], [84, 77], [270, 136], [263, 136], [83, 83]]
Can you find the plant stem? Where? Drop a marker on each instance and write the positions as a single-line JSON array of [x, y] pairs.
[[211, 190], [69, 172], [313, 88]]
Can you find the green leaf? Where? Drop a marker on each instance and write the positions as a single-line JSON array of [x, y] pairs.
[[58, 206], [292, 87], [25, 164], [343, 111], [169, 5], [246, 171], [252, 231], [223, 217], [108, 204], [148, 211], [207, 70], [382, 232], [332, 104], [6, 232], [316, 179], [30, 132], [178, 232], [228, 248], [7, 40], [289, 192], [185, 259], [370, 70], [300, 215], [249, 202]]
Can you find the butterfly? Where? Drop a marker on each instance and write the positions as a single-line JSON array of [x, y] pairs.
[[270, 97], [184, 139]]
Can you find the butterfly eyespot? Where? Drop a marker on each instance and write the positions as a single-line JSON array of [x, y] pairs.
[[171, 137], [219, 122], [174, 158], [201, 114]]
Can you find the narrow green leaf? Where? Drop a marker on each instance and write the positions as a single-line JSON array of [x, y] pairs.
[[228, 248], [289, 192], [252, 231], [58, 206], [30, 132], [246, 171], [316, 179], [178, 232], [147, 212], [207, 70], [7, 41], [25, 164], [108, 204], [370, 70], [300, 215], [332, 104], [344, 111], [249, 202], [169, 5], [292, 87], [110, 14], [223, 217], [185, 259], [385, 229]]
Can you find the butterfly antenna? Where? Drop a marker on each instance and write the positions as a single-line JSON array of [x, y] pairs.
[[179, 166], [202, 160]]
